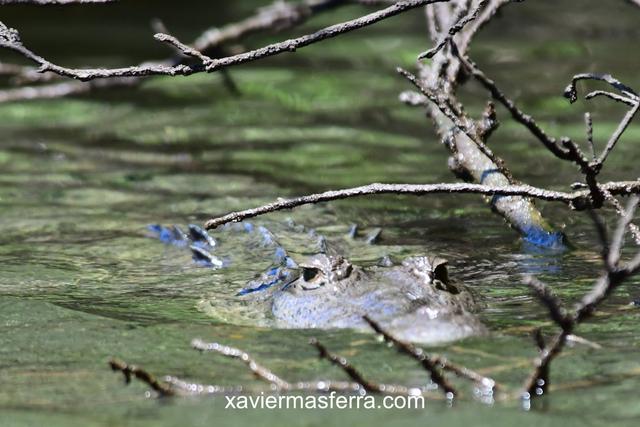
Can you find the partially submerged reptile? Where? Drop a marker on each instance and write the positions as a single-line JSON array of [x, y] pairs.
[[415, 299]]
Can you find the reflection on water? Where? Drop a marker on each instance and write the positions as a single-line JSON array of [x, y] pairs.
[[80, 179]]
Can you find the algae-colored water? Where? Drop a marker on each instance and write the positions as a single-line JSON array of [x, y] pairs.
[[81, 178]]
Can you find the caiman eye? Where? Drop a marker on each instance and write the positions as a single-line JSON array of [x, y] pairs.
[[309, 274]]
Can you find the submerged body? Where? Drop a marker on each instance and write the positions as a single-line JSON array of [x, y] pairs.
[[415, 300]]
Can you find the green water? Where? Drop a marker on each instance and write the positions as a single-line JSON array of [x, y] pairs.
[[81, 178]]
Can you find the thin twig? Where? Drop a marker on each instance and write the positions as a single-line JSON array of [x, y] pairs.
[[10, 39], [344, 364], [622, 126], [425, 361], [518, 115], [54, 2], [549, 299], [186, 50], [279, 16], [257, 369], [133, 371], [588, 123], [575, 199], [454, 29], [538, 381], [633, 228], [446, 106], [614, 96], [279, 384], [571, 92], [617, 240], [615, 274]]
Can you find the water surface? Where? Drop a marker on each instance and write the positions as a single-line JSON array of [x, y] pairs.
[[80, 179]]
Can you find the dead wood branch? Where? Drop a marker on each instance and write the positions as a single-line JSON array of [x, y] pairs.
[[574, 199], [565, 148], [348, 368], [454, 112], [526, 120], [259, 371], [455, 29], [276, 17], [616, 272], [470, 160], [10, 39], [173, 386], [437, 377], [278, 384], [130, 371], [54, 2]]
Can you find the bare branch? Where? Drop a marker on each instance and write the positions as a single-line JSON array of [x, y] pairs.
[[618, 236], [550, 300], [171, 386], [566, 149], [454, 29], [279, 16], [13, 69], [442, 76], [538, 381], [279, 384], [588, 123], [418, 354], [580, 340], [133, 371], [54, 2], [571, 93], [622, 126], [187, 50], [575, 199], [611, 95], [629, 97], [526, 120], [9, 39], [186, 388], [258, 370], [344, 364], [635, 231], [615, 274], [454, 113]]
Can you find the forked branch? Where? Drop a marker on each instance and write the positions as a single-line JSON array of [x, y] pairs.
[[616, 272], [10, 39]]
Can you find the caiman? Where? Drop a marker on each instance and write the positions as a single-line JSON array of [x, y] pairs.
[[414, 299]]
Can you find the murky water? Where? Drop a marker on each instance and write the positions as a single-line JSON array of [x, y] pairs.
[[81, 178]]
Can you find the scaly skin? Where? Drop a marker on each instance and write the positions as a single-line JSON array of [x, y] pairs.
[[414, 300]]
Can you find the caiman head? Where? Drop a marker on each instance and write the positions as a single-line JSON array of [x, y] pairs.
[[415, 299]]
